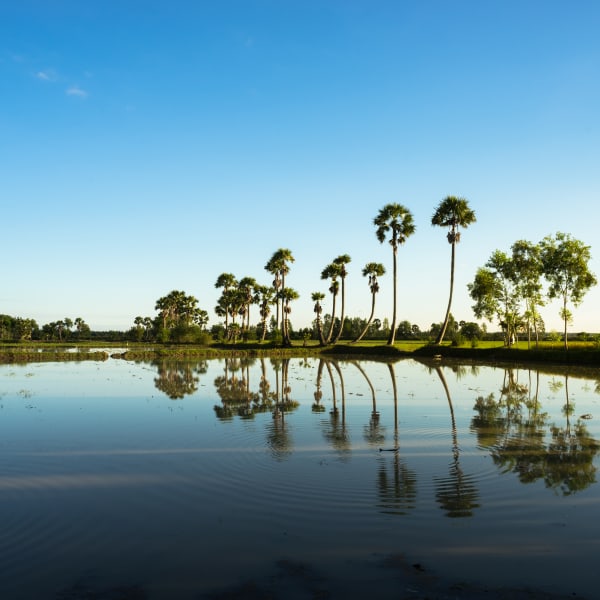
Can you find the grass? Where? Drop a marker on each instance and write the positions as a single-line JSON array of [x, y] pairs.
[[582, 353]]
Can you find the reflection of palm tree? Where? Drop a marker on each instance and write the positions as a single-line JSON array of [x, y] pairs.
[[234, 390], [336, 433], [396, 483], [177, 378], [318, 395], [373, 433], [278, 435], [264, 387], [456, 494]]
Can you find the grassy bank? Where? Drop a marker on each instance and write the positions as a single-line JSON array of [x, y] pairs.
[[579, 353]]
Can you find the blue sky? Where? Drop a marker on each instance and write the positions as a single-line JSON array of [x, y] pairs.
[[149, 146]]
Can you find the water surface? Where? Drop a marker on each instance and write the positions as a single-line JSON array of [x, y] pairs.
[[180, 479]]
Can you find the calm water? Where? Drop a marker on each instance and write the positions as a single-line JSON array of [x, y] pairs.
[[175, 479]]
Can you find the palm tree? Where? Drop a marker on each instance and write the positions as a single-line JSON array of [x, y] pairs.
[[266, 294], [287, 295], [397, 220], [373, 270], [452, 212], [225, 281], [342, 261], [317, 298], [247, 287], [279, 266], [332, 271]]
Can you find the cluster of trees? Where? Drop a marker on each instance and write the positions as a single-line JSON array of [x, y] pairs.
[[393, 223], [238, 296], [179, 319], [510, 287], [18, 329]]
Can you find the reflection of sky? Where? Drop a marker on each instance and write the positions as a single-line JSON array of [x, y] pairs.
[[100, 438]]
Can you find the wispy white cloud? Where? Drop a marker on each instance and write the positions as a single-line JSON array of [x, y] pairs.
[[46, 75], [75, 90]]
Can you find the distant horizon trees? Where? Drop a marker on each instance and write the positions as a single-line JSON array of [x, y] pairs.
[[510, 288]]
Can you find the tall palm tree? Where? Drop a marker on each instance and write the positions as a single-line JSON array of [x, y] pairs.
[[288, 294], [373, 271], [332, 271], [452, 212], [279, 266], [317, 298], [225, 281], [266, 294], [342, 261], [396, 220], [247, 287]]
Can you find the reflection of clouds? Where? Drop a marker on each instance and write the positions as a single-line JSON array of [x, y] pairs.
[[54, 482], [510, 550]]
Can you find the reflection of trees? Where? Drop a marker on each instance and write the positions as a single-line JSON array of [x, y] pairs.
[[336, 433], [279, 437], [178, 378], [233, 388], [515, 431], [318, 395], [373, 432], [457, 493], [570, 457], [396, 483]]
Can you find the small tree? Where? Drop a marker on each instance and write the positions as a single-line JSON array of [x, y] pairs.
[[565, 264], [495, 294]]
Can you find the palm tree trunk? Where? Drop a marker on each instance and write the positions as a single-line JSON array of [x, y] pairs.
[[566, 318], [442, 332], [364, 331], [392, 337], [330, 332], [343, 315]]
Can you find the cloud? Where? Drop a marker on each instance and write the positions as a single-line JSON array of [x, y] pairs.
[[46, 75], [75, 90]]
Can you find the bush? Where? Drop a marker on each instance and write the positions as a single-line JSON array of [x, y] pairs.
[[458, 339]]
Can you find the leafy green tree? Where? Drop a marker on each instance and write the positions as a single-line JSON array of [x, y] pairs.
[[396, 221], [342, 261], [23, 329], [471, 330], [565, 264], [452, 212], [527, 277], [178, 313], [138, 330], [404, 330], [496, 294]]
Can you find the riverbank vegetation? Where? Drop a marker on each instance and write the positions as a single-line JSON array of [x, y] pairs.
[[585, 353], [508, 290]]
